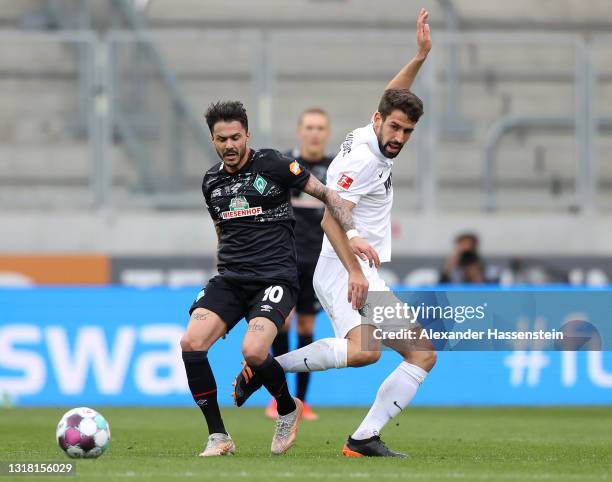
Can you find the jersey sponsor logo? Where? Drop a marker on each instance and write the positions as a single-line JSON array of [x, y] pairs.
[[239, 202], [345, 181], [260, 184], [295, 168], [239, 208], [266, 308]]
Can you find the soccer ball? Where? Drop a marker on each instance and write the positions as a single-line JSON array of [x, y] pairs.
[[83, 433]]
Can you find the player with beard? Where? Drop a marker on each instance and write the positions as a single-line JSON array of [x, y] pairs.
[[361, 174], [247, 195], [313, 131]]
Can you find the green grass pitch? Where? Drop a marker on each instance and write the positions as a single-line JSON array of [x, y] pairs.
[[506, 444]]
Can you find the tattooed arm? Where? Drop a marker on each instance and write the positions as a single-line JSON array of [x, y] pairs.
[[334, 203], [342, 211]]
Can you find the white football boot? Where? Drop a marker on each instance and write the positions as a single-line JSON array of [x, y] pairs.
[[218, 444], [286, 429]]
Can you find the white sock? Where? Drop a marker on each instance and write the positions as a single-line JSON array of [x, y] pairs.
[[320, 355], [394, 394]]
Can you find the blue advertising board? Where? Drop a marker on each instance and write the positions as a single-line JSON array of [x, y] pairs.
[[120, 346]]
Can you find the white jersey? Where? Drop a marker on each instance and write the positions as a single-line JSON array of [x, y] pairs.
[[362, 174]]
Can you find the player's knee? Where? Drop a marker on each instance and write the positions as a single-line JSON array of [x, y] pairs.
[[186, 343], [254, 356], [189, 343], [363, 358], [430, 359], [424, 359]]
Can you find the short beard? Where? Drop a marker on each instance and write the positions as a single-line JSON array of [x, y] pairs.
[[383, 150]]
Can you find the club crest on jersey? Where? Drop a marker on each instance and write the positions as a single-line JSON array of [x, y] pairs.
[[260, 184], [295, 168], [345, 181], [239, 208]]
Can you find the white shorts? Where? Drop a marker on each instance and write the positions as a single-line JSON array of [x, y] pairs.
[[331, 286]]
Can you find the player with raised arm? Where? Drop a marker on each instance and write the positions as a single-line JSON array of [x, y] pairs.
[[248, 198], [361, 174]]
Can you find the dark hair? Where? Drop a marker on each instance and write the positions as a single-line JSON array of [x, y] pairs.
[[401, 99], [227, 111], [467, 236], [312, 110]]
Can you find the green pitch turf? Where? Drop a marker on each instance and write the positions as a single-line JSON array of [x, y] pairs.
[[506, 444]]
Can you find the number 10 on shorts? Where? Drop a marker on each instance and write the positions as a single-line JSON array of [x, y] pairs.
[[273, 293]]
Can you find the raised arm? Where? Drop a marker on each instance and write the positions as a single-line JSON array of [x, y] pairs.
[[406, 76]]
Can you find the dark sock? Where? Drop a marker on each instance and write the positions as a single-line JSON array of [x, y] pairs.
[[203, 388], [280, 345], [273, 377], [303, 377]]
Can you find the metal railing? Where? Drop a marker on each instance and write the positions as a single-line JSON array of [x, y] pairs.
[[148, 143]]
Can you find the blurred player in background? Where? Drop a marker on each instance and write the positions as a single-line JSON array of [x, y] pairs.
[[313, 132], [361, 174]]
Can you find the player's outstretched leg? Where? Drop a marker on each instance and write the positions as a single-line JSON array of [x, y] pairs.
[[321, 355], [394, 394], [255, 348], [204, 328]]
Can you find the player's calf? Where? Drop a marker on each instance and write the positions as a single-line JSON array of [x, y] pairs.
[[362, 347], [362, 358], [421, 352]]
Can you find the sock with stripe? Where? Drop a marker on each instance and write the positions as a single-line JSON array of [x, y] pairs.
[[273, 378], [204, 388]]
